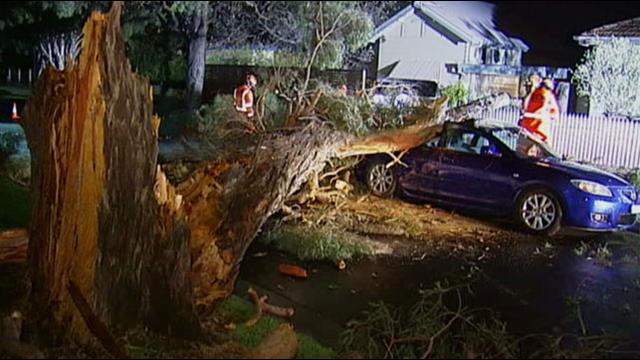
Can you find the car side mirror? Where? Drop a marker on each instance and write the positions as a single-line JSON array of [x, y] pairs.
[[490, 151]]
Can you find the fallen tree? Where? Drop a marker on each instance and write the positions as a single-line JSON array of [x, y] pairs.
[[108, 228]]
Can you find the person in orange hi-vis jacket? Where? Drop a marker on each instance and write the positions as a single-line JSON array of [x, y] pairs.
[[540, 109], [243, 97]]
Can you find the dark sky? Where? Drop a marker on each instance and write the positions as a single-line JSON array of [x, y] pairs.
[[548, 27]]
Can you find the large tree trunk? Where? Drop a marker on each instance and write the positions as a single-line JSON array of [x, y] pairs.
[[229, 201], [197, 56], [104, 221]]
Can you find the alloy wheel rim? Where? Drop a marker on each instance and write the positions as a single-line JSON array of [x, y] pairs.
[[538, 212], [381, 179]]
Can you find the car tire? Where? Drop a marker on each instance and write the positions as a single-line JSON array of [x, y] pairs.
[[539, 212], [381, 180]]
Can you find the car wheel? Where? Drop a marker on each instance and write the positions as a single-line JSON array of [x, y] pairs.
[[539, 212], [380, 179]]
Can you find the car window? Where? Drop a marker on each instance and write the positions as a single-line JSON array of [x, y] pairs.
[[522, 143], [433, 143], [469, 142]]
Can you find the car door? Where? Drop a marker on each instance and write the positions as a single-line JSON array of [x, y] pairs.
[[475, 171], [420, 178]]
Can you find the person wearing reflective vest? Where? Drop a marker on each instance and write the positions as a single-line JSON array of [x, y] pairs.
[[243, 97], [540, 109]]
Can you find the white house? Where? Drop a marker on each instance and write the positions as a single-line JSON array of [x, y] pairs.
[[444, 42]]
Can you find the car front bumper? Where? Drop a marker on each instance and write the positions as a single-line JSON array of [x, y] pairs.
[[597, 213]]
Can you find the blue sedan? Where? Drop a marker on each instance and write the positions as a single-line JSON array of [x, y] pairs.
[[504, 171]]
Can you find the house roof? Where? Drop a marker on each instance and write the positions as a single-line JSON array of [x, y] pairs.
[[627, 29], [468, 21], [412, 70]]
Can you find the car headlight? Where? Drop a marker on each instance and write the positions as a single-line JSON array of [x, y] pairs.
[[592, 188]]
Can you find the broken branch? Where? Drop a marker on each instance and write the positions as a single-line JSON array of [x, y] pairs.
[[262, 307], [95, 325]]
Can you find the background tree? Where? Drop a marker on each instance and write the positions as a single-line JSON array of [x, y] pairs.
[[609, 75], [43, 32]]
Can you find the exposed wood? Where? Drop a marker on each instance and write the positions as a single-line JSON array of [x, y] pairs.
[[293, 270], [282, 343], [13, 246], [98, 219], [263, 307], [253, 192]]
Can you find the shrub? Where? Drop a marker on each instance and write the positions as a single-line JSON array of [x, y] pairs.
[[18, 168], [10, 142], [457, 94]]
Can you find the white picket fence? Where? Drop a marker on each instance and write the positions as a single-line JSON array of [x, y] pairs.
[[601, 140]]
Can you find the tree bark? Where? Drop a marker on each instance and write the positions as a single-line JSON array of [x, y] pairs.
[[196, 57], [226, 217], [103, 216]]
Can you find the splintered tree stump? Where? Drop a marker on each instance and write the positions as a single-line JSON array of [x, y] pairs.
[[100, 218]]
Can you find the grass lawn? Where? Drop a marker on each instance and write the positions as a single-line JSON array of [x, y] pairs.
[[239, 310], [15, 205]]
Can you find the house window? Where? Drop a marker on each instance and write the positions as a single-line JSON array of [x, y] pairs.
[[497, 56]]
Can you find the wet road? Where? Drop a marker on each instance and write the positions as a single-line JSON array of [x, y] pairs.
[[531, 285]]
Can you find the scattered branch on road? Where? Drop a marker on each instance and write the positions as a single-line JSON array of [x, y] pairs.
[[262, 307]]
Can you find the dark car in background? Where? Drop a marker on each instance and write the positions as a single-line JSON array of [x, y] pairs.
[[504, 171]]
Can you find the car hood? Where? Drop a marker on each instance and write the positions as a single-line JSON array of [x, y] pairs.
[[583, 172]]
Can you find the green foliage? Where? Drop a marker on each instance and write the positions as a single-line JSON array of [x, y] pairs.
[[17, 167], [350, 113], [609, 75], [15, 208], [355, 114], [254, 57], [210, 120], [388, 332], [307, 243], [635, 178], [158, 54], [238, 310], [207, 122], [9, 143], [457, 94], [432, 328], [276, 110], [349, 25]]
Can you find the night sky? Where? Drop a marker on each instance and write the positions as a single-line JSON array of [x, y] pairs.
[[548, 27]]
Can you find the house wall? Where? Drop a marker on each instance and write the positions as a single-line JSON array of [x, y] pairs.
[[413, 41], [482, 54], [485, 85]]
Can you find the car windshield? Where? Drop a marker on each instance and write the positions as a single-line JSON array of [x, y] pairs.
[[521, 142]]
